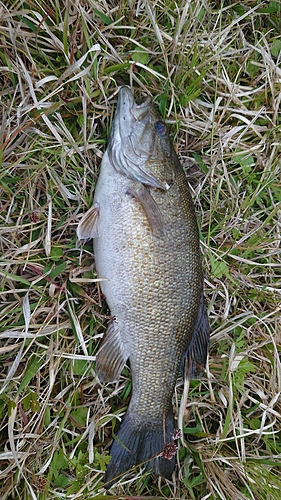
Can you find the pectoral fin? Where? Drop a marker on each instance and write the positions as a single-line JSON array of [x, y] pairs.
[[194, 359], [112, 355], [88, 225], [150, 207]]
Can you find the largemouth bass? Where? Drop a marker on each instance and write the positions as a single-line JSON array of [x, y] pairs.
[[146, 247]]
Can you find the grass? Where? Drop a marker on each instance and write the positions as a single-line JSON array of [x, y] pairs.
[[214, 71]]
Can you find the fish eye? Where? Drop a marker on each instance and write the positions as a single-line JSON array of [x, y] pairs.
[[160, 128]]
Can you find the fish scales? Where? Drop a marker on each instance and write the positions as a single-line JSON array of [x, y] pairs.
[[146, 247]]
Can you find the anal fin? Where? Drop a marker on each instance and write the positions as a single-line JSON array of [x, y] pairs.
[[194, 359], [112, 355]]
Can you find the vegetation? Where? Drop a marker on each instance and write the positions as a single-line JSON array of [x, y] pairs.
[[214, 70]]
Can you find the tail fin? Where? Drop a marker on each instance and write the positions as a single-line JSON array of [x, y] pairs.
[[138, 443]]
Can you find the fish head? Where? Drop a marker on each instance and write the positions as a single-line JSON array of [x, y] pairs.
[[139, 144]]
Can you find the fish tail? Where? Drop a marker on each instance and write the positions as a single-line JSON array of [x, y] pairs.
[[141, 444]]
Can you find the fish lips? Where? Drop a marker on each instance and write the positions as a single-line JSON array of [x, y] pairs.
[[127, 109], [128, 113]]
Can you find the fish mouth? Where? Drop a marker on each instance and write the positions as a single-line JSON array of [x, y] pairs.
[[127, 107]]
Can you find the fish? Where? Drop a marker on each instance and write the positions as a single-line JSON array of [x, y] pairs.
[[147, 256]]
